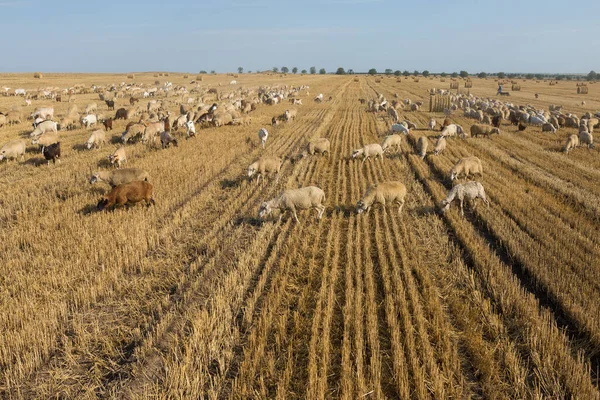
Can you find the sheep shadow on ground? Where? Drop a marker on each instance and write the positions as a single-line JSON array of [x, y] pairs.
[[231, 183], [115, 139], [345, 209], [252, 221], [79, 147], [104, 163], [424, 211], [88, 209], [36, 161]]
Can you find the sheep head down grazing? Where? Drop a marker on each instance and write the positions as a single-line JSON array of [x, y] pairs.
[[385, 192], [295, 199], [462, 191]]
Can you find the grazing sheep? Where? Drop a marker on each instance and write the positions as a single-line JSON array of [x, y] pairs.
[[415, 107], [191, 129], [440, 145], [152, 132], [43, 112], [274, 121], [385, 192], [166, 139], [295, 199], [477, 130], [466, 165], [319, 146], [110, 104], [462, 191], [118, 157], [452, 130], [12, 150], [289, 115], [422, 144], [432, 124], [391, 141], [97, 139], [126, 194], [45, 139], [586, 138], [402, 128], [572, 142], [548, 127], [120, 176], [13, 117], [369, 150], [264, 165], [89, 120], [52, 152], [46, 126], [133, 132], [393, 114], [91, 108], [263, 135]]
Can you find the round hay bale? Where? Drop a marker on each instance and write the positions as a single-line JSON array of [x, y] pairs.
[[38, 75], [131, 76], [185, 76]]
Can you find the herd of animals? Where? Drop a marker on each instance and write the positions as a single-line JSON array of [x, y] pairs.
[[155, 125]]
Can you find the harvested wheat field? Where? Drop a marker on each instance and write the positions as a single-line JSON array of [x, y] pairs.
[[196, 297]]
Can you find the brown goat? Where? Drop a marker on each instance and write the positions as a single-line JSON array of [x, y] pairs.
[[126, 194], [108, 124]]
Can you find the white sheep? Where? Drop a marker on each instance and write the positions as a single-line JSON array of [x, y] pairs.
[[466, 165], [452, 130], [46, 126], [120, 176], [422, 144], [400, 128], [369, 150], [45, 139], [586, 138], [477, 130], [295, 199], [391, 141], [319, 146], [462, 191], [97, 138], [289, 115], [385, 192], [572, 142], [440, 145], [12, 150], [264, 165], [432, 124], [547, 127], [263, 135], [89, 120]]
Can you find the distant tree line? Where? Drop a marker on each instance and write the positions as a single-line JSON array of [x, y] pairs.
[[463, 74]]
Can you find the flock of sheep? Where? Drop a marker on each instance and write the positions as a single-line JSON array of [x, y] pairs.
[[155, 124]]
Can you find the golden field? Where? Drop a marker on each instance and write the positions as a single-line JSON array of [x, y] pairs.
[[196, 298]]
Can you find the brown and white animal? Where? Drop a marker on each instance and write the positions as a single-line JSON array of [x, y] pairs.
[[383, 193], [120, 176], [108, 124], [191, 129], [477, 130], [391, 141], [126, 194], [369, 150], [118, 157], [12, 150], [133, 132], [52, 152], [422, 145], [295, 199], [465, 166], [96, 139], [264, 165], [469, 191]]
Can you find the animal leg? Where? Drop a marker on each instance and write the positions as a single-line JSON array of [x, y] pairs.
[[321, 210], [295, 216], [401, 205], [462, 211]]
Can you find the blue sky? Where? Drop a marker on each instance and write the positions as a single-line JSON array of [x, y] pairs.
[[189, 36]]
